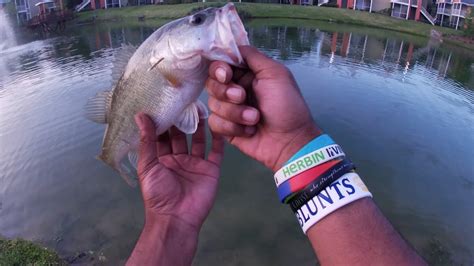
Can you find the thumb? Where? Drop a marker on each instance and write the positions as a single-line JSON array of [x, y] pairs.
[[256, 60]]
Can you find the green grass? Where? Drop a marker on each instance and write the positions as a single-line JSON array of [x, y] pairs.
[[22, 252], [275, 11]]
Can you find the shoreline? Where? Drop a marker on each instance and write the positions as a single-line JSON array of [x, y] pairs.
[[142, 14]]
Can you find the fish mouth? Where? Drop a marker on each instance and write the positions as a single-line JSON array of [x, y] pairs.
[[230, 34]]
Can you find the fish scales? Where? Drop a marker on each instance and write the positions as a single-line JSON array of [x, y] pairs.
[[164, 78]]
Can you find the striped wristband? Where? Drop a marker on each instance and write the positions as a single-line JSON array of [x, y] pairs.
[[300, 181], [343, 191], [308, 161]]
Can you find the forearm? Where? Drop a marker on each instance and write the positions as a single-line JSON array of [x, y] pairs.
[[358, 233], [165, 240]]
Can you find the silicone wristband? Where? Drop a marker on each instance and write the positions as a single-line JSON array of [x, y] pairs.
[[300, 181], [343, 191], [315, 144], [299, 199], [308, 161]]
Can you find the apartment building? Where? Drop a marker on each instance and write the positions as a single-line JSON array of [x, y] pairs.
[[104, 4], [452, 13], [28, 9], [364, 5], [413, 10]]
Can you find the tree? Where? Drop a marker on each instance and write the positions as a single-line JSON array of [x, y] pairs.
[[469, 23]]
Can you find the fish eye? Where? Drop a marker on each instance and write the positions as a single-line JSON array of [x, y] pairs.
[[198, 19]]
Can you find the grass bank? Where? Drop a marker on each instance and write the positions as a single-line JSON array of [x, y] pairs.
[[336, 15], [22, 252]]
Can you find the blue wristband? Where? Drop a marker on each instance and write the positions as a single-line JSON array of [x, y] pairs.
[[316, 144]]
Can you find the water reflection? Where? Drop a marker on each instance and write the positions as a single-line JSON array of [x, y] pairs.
[[393, 54], [390, 100]]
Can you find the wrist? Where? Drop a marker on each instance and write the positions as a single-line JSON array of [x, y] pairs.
[[300, 139], [170, 225], [165, 240]]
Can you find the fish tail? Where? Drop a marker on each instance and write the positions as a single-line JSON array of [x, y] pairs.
[[123, 170], [126, 175]]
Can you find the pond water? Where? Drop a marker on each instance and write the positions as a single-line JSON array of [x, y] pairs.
[[401, 106]]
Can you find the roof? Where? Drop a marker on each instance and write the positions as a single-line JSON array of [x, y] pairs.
[[43, 2], [466, 2]]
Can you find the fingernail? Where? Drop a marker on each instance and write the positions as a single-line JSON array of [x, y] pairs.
[[250, 130], [220, 74], [234, 94], [249, 115]]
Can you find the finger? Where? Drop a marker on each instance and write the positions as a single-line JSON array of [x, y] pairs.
[[226, 92], [178, 141], [217, 149], [239, 114], [198, 145], [220, 71], [227, 128], [256, 60], [246, 80], [147, 147], [238, 73], [164, 144]]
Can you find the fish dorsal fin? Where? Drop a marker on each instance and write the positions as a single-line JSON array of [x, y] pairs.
[[188, 121], [133, 158], [98, 107], [120, 62], [202, 109]]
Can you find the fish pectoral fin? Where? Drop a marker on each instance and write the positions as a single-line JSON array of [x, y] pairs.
[[202, 109], [127, 175], [173, 80], [98, 106], [133, 158], [188, 121]]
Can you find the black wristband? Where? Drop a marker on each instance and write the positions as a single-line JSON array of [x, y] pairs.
[[318, 185]]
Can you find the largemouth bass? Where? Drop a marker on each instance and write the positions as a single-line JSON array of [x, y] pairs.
[[163, 78]]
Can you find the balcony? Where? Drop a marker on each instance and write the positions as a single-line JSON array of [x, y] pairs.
[[21, 8], [399, 14], [459, 13], [113, 3], [405, 2], [400, 1], [444, 11]]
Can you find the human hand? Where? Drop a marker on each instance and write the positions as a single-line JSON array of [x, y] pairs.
[[260, 109], [178, 189], [176, 183]]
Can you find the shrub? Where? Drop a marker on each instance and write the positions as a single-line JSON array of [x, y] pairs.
[[469, 24], [22, 252]]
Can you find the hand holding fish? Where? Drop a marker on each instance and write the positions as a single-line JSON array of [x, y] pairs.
[[260, 110], [280, 125], [178, 188]]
